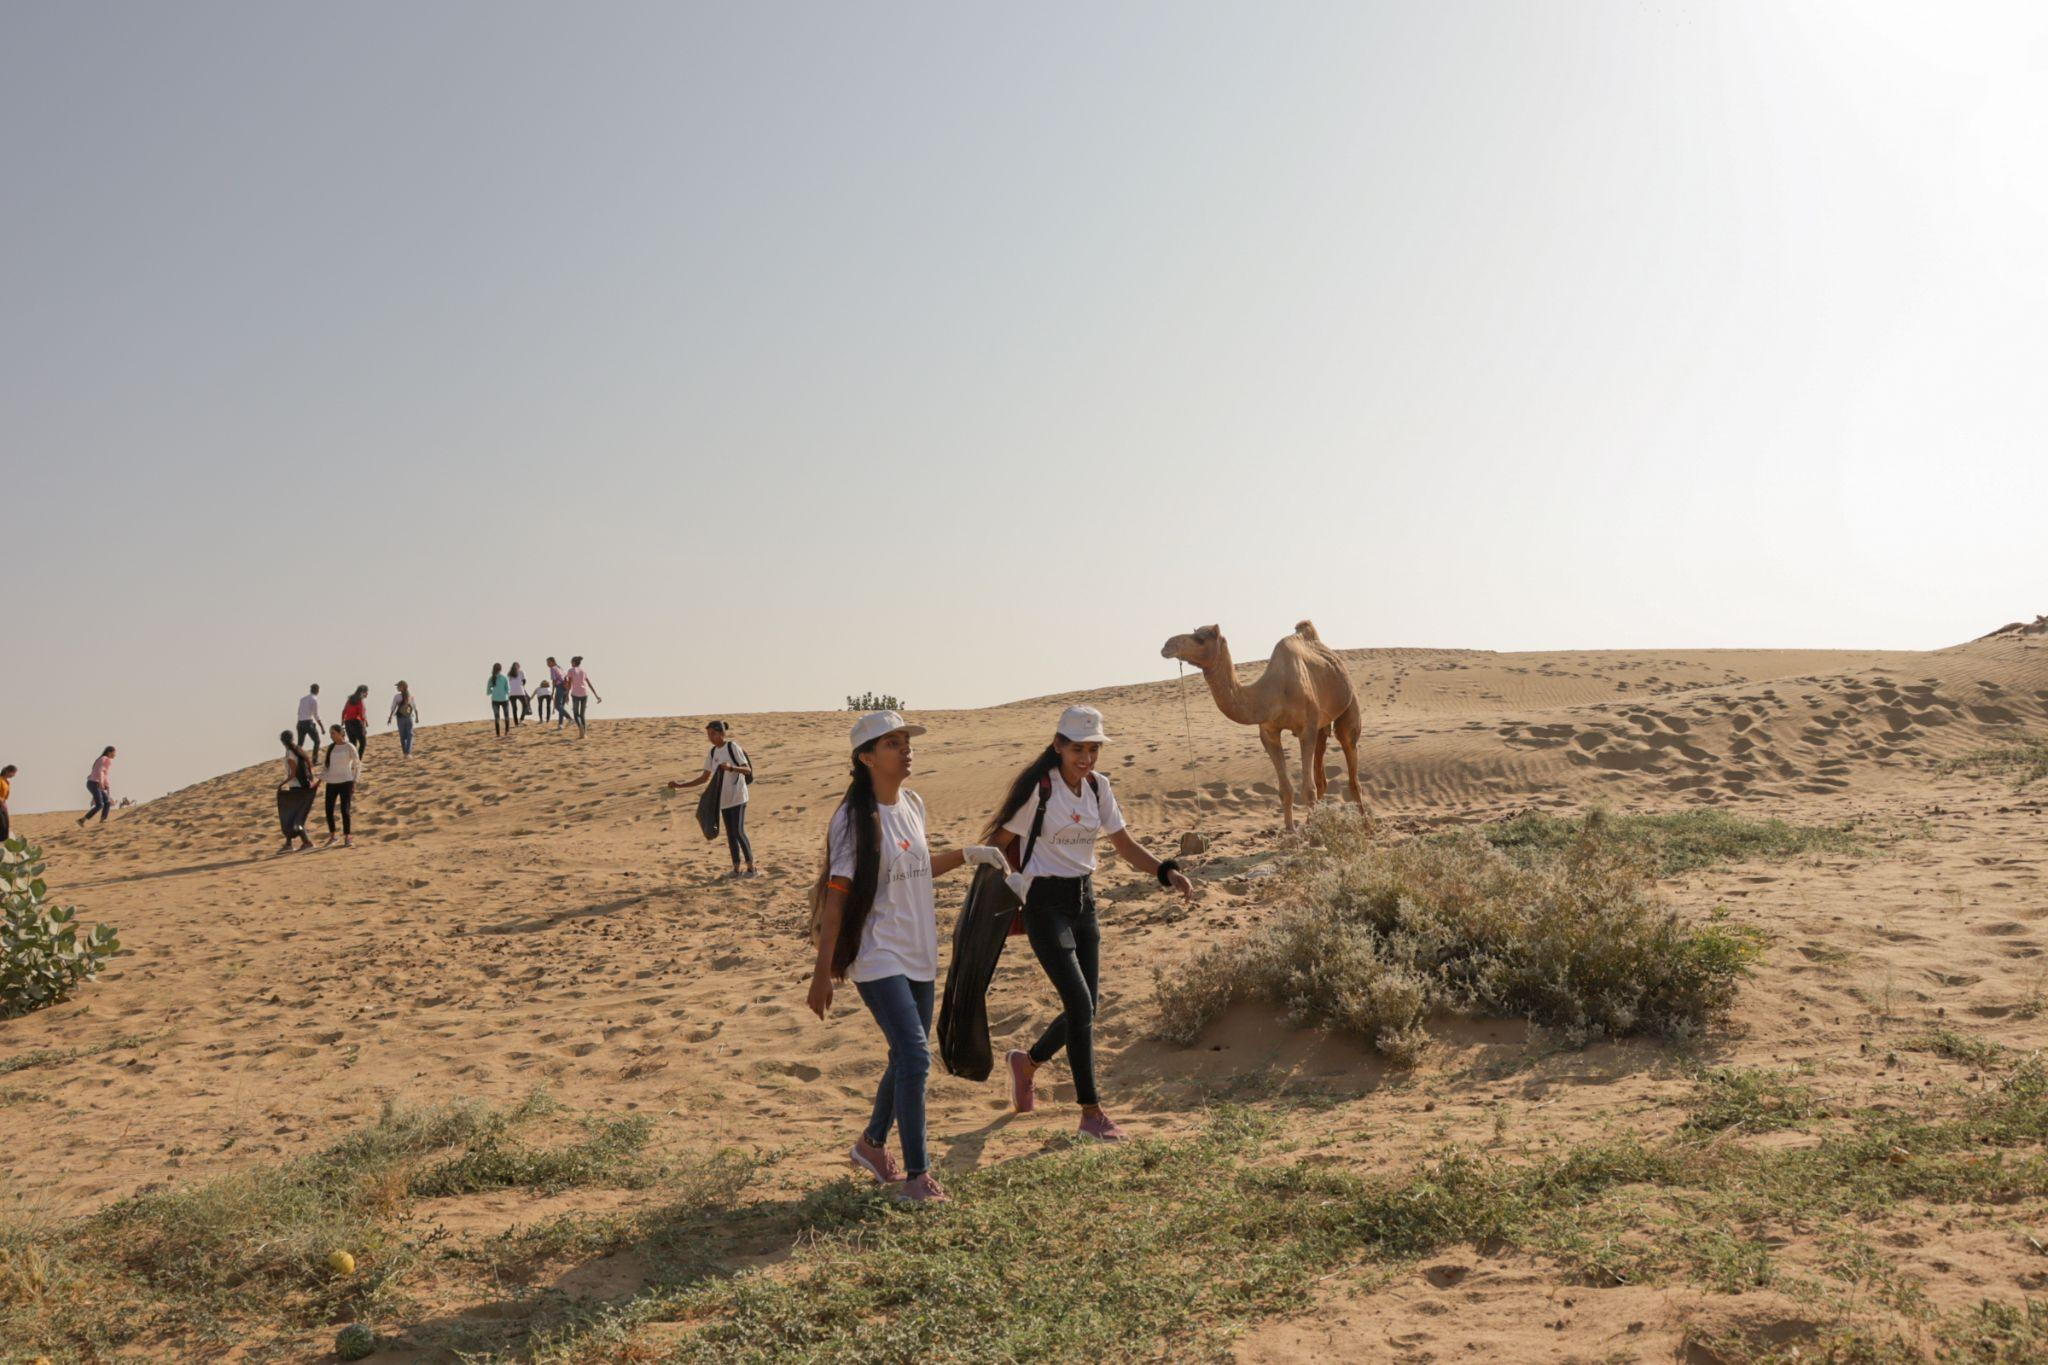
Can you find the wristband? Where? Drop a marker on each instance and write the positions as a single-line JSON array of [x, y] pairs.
[[1167, 869]]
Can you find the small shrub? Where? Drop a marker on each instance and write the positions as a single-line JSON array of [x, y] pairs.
[[495, 1162], [1944, 1041], [2025, 762], [1750, 1100], [43, 958], [1668, 844], [874, 701], [1377, 936]]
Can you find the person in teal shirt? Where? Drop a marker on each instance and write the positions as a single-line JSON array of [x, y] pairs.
[[500, 688]]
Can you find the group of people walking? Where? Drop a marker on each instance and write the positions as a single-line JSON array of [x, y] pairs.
[[874, 919], [307, 769], [567, 692], [874, 914]]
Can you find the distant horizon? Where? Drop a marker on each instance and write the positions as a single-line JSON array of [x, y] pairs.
[[607, 713]]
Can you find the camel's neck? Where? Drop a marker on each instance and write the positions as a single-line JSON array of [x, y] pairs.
[[1231, 698]]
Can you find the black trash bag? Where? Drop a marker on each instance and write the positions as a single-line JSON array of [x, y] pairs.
[[707, 805], [978, 938]]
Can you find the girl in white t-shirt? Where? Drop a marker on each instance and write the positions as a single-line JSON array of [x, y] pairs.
[[1057, 874], [875, 923]]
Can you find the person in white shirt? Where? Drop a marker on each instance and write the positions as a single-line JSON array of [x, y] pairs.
[[310, 727], [521, 707], [342, 768], [727, 763], [1054, 812], [875, 922]]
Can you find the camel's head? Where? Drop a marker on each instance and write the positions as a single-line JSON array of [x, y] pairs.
[[1202, 647]]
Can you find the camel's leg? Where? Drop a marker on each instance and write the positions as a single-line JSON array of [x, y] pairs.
[[1271, 740], [1309, 773], [1348, 727], [1322, 777]]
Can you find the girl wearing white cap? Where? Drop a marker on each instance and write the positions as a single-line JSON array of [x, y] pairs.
[[875, 923], [1058, 806]]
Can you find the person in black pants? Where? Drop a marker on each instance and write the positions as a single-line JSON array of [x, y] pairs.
[[355, 719], [309, 719], [295, 793], [1054, 812], [342, 768]]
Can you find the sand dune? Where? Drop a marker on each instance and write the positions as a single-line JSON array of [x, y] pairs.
[[533, 910]]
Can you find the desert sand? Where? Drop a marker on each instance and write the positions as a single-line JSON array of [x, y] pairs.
[[535, 911]]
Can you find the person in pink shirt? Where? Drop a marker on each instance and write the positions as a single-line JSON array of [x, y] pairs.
[[101, 786], [581, 690]]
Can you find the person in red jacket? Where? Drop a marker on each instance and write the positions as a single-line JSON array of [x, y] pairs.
[[355, 720]]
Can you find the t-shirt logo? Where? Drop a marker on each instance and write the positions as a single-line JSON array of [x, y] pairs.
[[903, 844], [1075, 817]]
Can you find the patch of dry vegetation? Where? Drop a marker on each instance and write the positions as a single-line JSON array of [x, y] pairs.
[[1562, 928]]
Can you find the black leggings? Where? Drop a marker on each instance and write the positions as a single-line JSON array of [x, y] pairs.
[[358, 735], [1059, 919], [501, 717], [579, 703], [547, 701], [345, 793], [736, 839]]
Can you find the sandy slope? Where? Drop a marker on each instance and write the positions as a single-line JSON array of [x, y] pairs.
[[532, 910]]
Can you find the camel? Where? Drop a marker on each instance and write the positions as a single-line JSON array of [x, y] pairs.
[[1305, 690]]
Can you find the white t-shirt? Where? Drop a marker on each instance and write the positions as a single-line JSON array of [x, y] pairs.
[[342, 763], [735, 792], [518, 684], [901, 935], [1066, 843]]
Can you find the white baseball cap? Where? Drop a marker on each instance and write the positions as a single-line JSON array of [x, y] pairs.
[[1082, 725], [875, 724]]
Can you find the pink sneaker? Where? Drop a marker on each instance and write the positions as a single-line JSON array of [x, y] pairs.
[[921, 1189], [1022, 1069], [1101, 1126], [876, 1161]]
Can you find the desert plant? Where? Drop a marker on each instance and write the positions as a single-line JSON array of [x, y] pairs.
[[1376, 936], [875, 701], [2025, 761], [43, 958]]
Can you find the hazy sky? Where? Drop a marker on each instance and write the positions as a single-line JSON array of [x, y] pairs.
[[764, 353]]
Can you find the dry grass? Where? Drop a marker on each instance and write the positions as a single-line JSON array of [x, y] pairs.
[[1374, 937]]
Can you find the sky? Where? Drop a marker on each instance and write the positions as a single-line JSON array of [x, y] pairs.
[[769, 353]]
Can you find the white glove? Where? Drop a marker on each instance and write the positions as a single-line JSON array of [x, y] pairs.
[[1019, 884], [984, 855]]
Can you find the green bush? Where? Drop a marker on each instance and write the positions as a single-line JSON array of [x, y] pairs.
[[875, 701], [1378, 936], [42, 956]]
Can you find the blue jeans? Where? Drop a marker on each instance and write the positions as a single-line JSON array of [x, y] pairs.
[[904, 1010], [405, 735], [102, 804]]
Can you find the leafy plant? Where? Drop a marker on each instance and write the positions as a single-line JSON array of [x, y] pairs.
[[43, 958], [874, 701], [1375, 937]]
